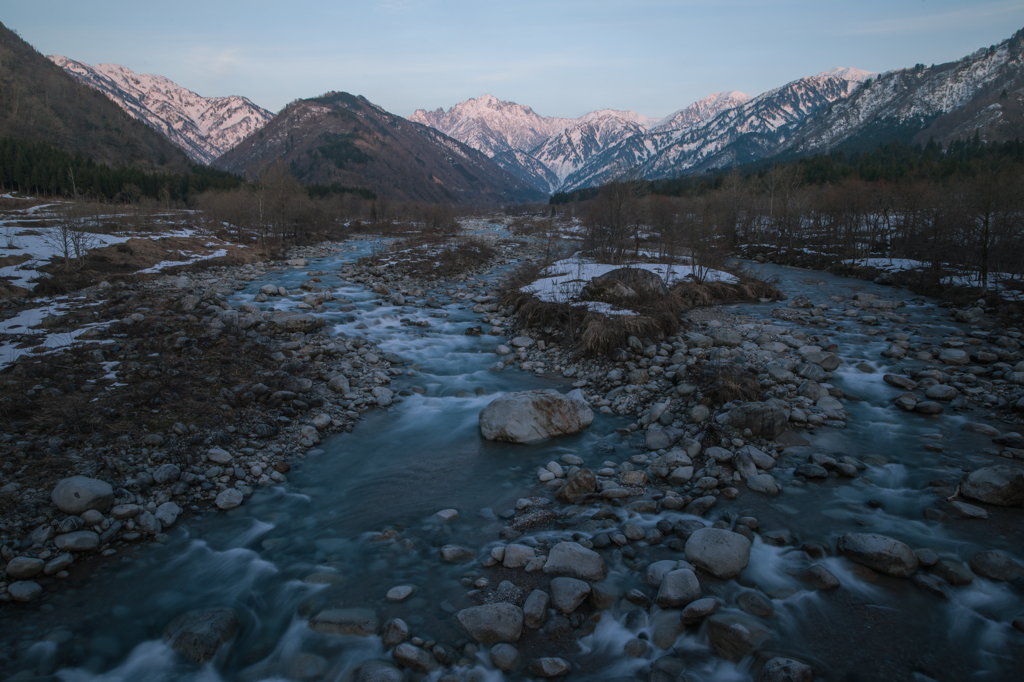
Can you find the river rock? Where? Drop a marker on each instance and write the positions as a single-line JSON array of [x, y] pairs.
[[492, 623], [679, 588], [568, 593], [199, 634], [360, 622], [699, 610], [578, 483], [25, 590], [78, 541], [228, 499], [720, 552], [166, 474], [505, 657], [763, 483], [954, 356], [529, 416], [77, 494], [517, 556], [23, 567], [734, 636], [394, 633], [996, 565], [764, 419], [878, 552], [576, 561], [339, 384], [453, 553], [413, 657], [167, 513], [535, 610], [786, 670], [218, 456], [550, 667], [380, 671], [1001, 485]]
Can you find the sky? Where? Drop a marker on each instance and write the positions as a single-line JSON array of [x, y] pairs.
[[562, 58]]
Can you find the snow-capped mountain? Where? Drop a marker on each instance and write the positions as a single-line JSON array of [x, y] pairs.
[[204, 127], [944, 101], [539, 149], [720, 129]]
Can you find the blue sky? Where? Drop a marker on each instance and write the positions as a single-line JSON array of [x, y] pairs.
[[562, 58]]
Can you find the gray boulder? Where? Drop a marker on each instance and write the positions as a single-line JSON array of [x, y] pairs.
[[679, 588], [77, 494], [505, 657], [535, 610], [550, 667], [77, 541], [25, 590], [576, 561], [413, 657], [720, 552], [879, 552], [296, 322], [639, 280], [23, 567], [568, 593], [996, 565], [529, 416], [767, 420], [1001, 485], [199, 634], [491, 623]]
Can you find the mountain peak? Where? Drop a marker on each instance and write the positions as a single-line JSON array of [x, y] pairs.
[[847, 73], [204, 127]]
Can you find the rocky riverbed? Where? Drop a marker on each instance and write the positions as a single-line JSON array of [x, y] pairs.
[[823, 488]]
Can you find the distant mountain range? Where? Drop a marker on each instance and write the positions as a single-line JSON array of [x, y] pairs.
[[487, 149], [345, 139], [203, 127]]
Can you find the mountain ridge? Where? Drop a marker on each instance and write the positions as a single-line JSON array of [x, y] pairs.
[[203, 127]]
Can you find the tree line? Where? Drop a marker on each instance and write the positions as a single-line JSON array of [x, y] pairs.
[[959, 212]]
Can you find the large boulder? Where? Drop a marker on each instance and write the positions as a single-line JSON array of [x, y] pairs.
[[492, 623], [878, 552], [576, 561], [1002, 485], [529, 416], [996, 565], [78, 494], [720, 552], [767, 420], [198, 634], [678, 588], [639, 280], [568, 593]]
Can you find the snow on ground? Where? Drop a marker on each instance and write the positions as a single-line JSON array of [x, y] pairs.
[[23, 323], [20, 241], [566, 278], [192, 258]]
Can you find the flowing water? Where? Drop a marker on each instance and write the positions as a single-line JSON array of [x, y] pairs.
[[356, 518]]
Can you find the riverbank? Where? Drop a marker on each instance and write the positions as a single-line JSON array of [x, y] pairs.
[[775, 433]]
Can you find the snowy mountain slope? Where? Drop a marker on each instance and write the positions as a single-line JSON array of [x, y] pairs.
[[512, 134], [702, 110], [204, 127], [492, 125], [923, 100], [732, 134]]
